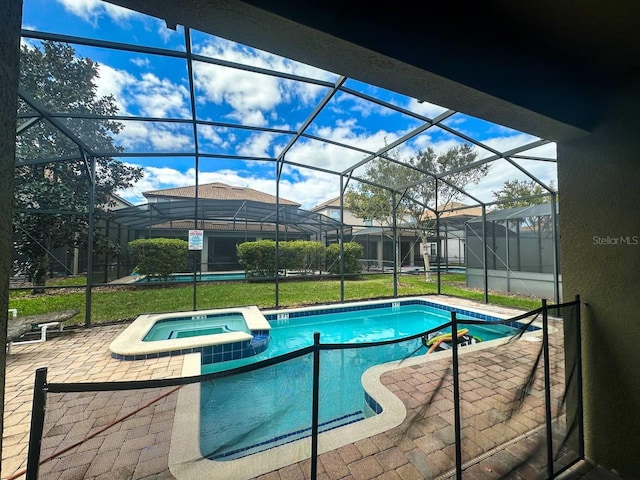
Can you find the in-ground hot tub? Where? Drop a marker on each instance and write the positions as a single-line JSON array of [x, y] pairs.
[[219, 335]]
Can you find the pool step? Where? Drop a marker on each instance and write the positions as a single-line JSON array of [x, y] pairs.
[[289, 437]]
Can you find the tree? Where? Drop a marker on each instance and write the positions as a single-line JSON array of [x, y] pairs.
[[371, 201], [520, 193], [524, 193], [52, 197]]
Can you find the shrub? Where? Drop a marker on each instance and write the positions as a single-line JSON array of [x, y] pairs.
[[258, 258], [301, 255], [159, 257], [313, 255], [352, 253]]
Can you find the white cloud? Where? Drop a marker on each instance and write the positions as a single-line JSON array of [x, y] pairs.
[[505, 143], [248, 96], [147, 95], [112, 81], [92, 10], [234, 52], [253, 97], [166, 33], [257, 145], [429, 110], [27, 42], [336, 158], [424, 141], [161, 97], [501, 171], [548, 150], [213, 137], [141, 62], [145, 136], [309, 188], [356, 104]]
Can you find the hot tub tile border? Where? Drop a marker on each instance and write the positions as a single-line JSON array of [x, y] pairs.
[[212, 353]]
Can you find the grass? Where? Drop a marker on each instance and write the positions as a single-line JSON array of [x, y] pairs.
[[124, 302]]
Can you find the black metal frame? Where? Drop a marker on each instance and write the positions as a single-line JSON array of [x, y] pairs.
[[63, 122]]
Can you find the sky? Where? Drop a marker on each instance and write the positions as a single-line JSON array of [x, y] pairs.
[[145, 85]]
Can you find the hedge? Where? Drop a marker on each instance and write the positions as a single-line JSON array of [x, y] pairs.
[[352, 253], [259, 258], [159, 257]]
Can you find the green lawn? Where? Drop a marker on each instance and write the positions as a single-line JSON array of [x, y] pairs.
[[120, 303]]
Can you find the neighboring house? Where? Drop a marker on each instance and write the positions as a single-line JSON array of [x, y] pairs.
[[117, 203], [453, 218], [378, 244], [331, 208], [214, 191], [228, 216]]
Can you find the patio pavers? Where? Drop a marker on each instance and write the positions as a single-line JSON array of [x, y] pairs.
[[77, 355]]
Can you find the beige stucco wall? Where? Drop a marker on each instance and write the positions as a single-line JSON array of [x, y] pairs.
[[599, 181]]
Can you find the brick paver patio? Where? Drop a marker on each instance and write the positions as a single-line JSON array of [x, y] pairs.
[[495, 437]]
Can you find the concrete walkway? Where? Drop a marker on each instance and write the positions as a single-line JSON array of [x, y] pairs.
[[496, 438]]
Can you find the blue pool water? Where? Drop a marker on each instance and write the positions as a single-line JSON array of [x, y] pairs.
[[251, 412], [202, 277], [191, 326]]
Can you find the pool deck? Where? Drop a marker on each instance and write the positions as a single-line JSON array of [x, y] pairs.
[[418, 448]]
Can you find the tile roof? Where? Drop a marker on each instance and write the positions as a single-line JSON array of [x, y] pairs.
[[219, 191], [460, 210], [334, 202]]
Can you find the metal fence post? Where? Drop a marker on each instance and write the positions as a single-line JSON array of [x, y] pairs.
[[456, 396], [315, 405], [547, 387], [579, 412], [37, 424]]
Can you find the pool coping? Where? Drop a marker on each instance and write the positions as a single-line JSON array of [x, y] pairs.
[[129, 345], [185, 460]]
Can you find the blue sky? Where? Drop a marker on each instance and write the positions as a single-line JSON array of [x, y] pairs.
[[150, 85]]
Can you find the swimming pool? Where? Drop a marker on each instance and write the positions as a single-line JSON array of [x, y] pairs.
[[201, 277], [283, 390], [243, 402]]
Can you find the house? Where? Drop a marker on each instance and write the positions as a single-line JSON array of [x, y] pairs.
[[377, 239], [228, 215], [453, 217]]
